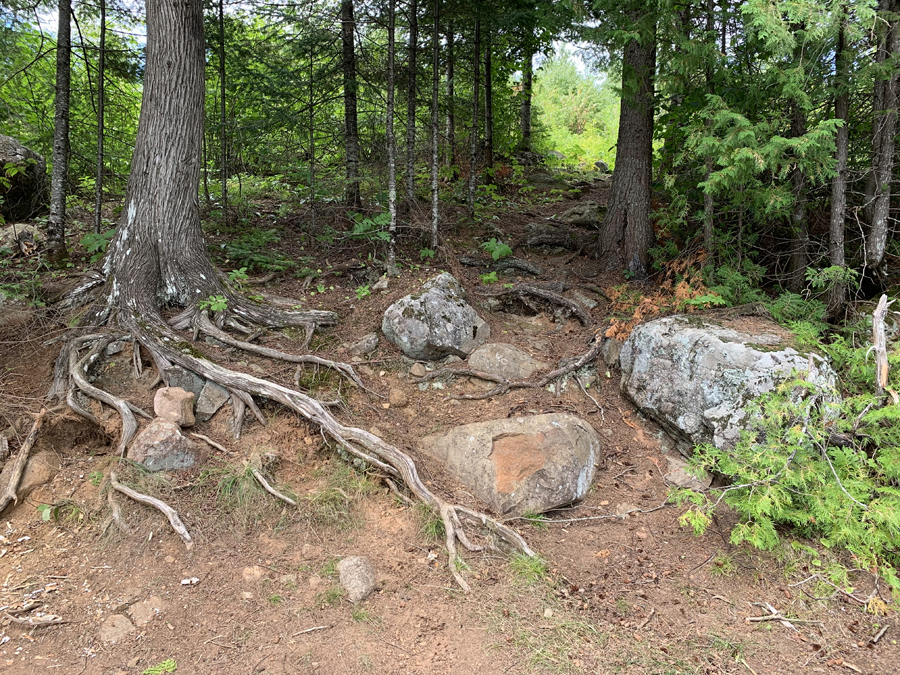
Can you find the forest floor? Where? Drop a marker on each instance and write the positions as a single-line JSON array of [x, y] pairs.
[[258, 592]]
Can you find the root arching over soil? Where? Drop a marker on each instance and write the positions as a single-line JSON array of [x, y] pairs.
[[464, 527]]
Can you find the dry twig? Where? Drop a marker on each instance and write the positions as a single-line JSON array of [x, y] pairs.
[[164, 508], [9, 491]]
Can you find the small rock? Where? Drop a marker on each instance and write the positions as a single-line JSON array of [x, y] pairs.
[[116, 628], [624, 508], [584, 299], [418, 370], [162, 447], [174, 404], [115, 347], [365, 346], [601, 166], [376, 431], [176, 376], [610, 349], [247, 595], [256, 368], [505, 360], [41, 468], [211, 398], [144, 612], [679, 476], [381, 284], [398, 398], [367, 371], [548, 612], [357, 577], [251, 574]]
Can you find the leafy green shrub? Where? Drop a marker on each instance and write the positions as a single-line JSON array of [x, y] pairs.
[[97, 243], [828, 470], [497, 249]]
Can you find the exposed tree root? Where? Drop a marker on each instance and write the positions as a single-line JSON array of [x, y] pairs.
[[502, 265], [115, 511], [9, 491], [523, 291], [504, 385], [356, 441], [544, 234], [164, 508]]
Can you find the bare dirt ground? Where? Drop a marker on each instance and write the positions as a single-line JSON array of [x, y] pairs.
[[258, 592]]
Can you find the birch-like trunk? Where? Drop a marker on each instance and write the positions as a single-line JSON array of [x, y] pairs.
[[101, 102], [488, 105], [351, 130], [411, 102], [223, 138], [56, 227], [473, 146], [838, 293], [435, 120], [391, 149], [451, 99]]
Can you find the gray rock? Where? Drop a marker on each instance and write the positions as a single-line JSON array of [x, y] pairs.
[[418, 370], [212, 397], [116, 347], [584, 299], [357, 576], [116, 628], [29, 191], [546, 181], [436, 322], [678, 476], [695, 378], [365, 346], [176, 376], [175, 405], [505, 360], [162, 447], [601, 166], [521, 464], [586, 214], [556, 154], [41, 468], [610, 349]]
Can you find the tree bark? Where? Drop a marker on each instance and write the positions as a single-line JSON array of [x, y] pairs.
[[488, 104], [525, 109], [391, 149], [473, 146], [435, 120], [709, 204], [411, 102], [56, 228], [223, 138], [882, 53], [883, 162], [838, 292], [101, 102], [451, 100], [351, 130], [626, 234], [799, 231]]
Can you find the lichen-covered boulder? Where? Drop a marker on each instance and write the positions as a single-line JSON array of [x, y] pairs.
[[29, 191], [505, 360], [436, 322], [695, 378], [521, 464]]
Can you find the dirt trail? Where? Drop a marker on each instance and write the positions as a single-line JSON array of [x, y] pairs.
[[258, 593]]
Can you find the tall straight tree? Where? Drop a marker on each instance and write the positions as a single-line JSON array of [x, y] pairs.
[[391, 146], [351, 129], [101, 103], [435, 119], [56, 228], [223, 137], [838, 292], [488, 103], [626, 234], [525, 107], [451, 98], [473, 144], [411, 102]]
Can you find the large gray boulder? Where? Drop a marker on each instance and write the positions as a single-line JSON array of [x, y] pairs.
[[436, 322], [505, 360], [695, 378], [29, 191], [521, 464]]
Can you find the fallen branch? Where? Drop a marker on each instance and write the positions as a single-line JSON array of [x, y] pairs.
[[879, 345], [211, 442], [255, 469], [164, 508], [502, 265], [522, 291], [9, 492]]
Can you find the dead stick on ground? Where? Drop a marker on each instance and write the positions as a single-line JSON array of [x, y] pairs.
[[879, 345], [164, 508], [212, 443], [9, 492], [310, 630], [35, 623], [257, 474]]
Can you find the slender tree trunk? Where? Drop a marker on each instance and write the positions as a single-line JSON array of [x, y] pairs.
[[838, 292], [488, 105], [799, 231], [411, 103], [101, 102], [451, 99], [223, 138], [525, 109], [882, 53], [159, 255], [351, 131], [626, 234], [883, 164], [435, 119], [391, 148], [473, 149], [56, 228], [709, 205]]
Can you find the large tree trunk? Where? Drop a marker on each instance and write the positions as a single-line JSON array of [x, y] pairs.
[[883, 162], [626, 234], [838, 292], [451, 100], [882, 53], [56, 228], [488, 104], [391, 148], [435, 119], [223, 137], [473, 146], [411, 103], [351, 131], [525, 108], [101, 103]]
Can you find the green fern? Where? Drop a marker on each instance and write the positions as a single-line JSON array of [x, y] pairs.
[[167, 666]]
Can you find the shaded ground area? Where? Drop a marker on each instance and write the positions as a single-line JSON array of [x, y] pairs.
[[633, 593]]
